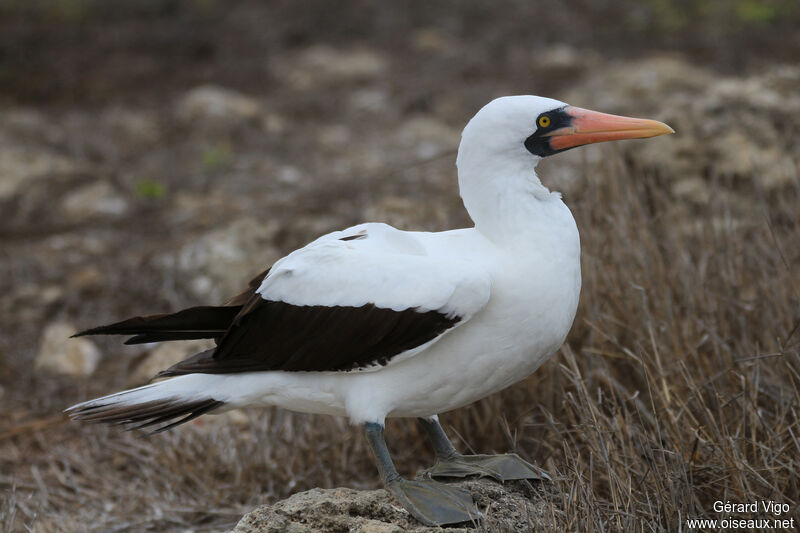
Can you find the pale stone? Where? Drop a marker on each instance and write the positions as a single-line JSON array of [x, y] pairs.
[[434, 40], [323, 64], [95, 199], [345, 64], [59, 354], [209, 102], [427, 136], [694, 189], [132, 126], [732, 127], [220, 263], [19, 167]]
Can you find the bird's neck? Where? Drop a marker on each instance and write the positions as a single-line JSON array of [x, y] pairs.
[[509, 204]]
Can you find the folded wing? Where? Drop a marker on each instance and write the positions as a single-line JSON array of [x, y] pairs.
[[352, 300]]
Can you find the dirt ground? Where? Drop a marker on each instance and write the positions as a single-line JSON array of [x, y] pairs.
[[156, 155]]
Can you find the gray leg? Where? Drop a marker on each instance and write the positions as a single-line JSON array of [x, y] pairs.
[[432, 503], [450, 463]]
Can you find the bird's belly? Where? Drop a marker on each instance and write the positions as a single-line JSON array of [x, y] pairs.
[[502, 345], [470, 369]]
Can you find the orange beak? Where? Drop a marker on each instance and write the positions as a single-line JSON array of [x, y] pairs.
[[586, 127]]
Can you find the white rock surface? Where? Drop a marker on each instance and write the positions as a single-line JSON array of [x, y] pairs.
[[323, 64], [343, 63], [95, 199], [733, 127], [427, 136], [210, 102], [19, 167], [220, 263], [61, 355]]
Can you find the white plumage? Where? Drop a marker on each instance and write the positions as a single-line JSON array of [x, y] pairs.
[[387, 267], [469, 311]]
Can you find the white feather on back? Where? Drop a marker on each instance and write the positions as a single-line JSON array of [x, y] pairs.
[[389, 268]]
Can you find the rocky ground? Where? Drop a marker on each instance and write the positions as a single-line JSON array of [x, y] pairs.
[[154, 181], [513, 507]]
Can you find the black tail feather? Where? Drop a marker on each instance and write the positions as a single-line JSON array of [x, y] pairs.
[[204, 322], [146, 414]]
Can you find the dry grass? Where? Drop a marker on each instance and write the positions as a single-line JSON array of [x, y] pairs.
[[678, 387]]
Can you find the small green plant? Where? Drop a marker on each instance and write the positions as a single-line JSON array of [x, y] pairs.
[[150, 189]]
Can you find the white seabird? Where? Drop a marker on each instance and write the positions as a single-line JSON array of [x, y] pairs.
[[373, 322]]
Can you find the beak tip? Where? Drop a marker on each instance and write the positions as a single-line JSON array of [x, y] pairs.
[[661, 128]]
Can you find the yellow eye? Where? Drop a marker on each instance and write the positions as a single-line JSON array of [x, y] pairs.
[[544, 121]]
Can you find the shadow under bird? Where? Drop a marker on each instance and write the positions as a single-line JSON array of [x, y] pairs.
[[373, 322]]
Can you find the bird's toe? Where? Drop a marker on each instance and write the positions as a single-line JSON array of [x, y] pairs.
[[504, 467]]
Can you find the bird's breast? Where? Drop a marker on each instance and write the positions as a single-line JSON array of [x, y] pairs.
[[532, 309]]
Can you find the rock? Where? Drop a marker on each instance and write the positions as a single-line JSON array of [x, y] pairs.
[[512, 506], [220, 263], [131, 128], [694, 189], [274, 123], [217, 104], [29, 127], [433, 40], [86, 278], [30, 302], [325, 64], [61, 355], [734, 127], [95, 199], [289, 175], [21, 166], [398, 211], [372, 100], [164, 356], [335, 137], [562, 58], [342, 63], [646, 84], [427, 136]]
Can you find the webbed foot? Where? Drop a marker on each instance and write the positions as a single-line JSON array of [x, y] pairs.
[[504, 467], [433, 503]]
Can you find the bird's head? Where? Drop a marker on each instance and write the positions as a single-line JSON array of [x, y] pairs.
[[526, 128], [504, 141]]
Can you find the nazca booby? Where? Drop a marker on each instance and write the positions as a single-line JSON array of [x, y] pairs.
[[373, 322]]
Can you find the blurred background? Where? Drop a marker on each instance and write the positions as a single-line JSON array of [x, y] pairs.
[[157, 154]]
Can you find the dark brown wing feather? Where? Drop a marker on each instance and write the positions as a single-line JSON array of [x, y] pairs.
[[254, 334], [281, 336], [205, 322]]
